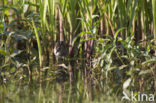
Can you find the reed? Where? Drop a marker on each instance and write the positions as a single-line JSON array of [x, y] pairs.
[[38, 44], [154, 19], [115, 39]]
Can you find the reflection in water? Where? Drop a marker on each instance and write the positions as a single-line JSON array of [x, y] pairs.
[[70, 72], [83, 89], [50, 92], [60, 94]]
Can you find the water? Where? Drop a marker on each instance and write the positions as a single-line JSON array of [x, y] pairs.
[[81, 90]]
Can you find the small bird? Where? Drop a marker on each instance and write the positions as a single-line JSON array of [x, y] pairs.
[[60, 50]]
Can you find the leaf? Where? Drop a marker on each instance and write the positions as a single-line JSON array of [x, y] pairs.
[[143, 72], [127, 83], [2, 51], [149, 61], [12, 70], [25, 8], [94, 16], [15, 53], [38, 43], [122, 67], [79, 35], [101, 40], [101, 63], [116, 34]]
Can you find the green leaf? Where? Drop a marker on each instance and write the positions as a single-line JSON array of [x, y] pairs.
[[38, 43], [149, 61], [2, 51], [143, 72], [116, 34]]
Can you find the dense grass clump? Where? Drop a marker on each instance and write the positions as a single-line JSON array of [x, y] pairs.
[[110, 44]]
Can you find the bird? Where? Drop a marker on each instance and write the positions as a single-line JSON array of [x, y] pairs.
[[60, 50]]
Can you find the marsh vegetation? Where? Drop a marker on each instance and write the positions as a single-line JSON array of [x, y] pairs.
[[76, 51]]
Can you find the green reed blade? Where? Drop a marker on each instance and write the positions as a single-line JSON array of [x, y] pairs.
[[38, 43]]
